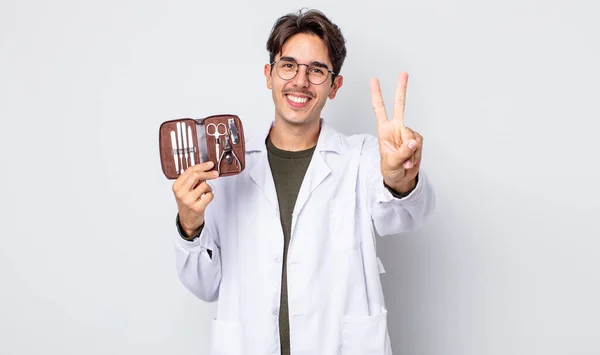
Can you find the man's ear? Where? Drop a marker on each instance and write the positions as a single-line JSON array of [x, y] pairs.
[[337, 84], [268, 76]]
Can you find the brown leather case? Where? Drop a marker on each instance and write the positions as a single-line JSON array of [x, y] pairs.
[[219, 138]]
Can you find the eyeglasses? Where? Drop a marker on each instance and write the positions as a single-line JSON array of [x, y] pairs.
[[287, 69]]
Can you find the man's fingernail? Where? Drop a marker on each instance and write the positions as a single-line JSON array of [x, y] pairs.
[[210, 163], [215, 173], [412, 144]]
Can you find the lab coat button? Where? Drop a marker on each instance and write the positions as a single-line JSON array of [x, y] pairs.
[[277, 259], [275, 311]]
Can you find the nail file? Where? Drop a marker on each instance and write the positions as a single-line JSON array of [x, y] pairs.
[[179, 144], [174, 146], [218, 148], [191, 141], [185, 144]]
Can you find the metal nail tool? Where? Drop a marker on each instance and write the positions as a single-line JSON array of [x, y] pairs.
[[179, 144], [185, 145], [228, 154], [192, 146], [217, 133], [235, 138], [174, 147]]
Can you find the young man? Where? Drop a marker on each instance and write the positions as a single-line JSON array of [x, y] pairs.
[[287, 247]]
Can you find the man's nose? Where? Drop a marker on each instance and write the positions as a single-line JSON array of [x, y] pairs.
[[301, 78]]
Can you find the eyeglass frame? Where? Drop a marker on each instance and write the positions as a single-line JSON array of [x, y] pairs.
[[317, 64]]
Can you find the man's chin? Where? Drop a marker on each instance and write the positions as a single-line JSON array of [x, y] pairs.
[[292, 121], [298, 120], [297, 117]]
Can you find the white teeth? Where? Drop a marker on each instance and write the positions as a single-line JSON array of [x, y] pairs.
[[298, 100]]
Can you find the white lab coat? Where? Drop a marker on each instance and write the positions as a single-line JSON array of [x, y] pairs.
[[336, 303]]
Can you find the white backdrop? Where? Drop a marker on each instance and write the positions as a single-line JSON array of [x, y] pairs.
[[505, 94]]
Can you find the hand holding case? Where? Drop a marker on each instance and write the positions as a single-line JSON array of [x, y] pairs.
[[186, 142]]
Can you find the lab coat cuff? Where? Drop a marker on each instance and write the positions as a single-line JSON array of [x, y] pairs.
[[198, 244], [182, 233], [386, 196]]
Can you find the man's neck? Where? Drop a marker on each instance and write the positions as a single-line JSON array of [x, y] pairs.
[[294, 138]]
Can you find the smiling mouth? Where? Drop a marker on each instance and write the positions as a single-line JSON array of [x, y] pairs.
[[297, 101]]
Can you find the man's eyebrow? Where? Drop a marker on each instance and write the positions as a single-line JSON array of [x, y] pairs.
[[320, 65], [315, 63]]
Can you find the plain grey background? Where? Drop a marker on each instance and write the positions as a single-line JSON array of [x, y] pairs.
[[505, 94]]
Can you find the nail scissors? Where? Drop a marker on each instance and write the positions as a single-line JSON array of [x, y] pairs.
[[217, 133]]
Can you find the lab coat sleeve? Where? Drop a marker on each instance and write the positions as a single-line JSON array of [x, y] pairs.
[[200, 272], [392, 215]]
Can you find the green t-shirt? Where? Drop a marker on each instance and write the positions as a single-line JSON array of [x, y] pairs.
[[288, 169]]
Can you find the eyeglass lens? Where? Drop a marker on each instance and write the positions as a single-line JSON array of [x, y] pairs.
[[287, 70]]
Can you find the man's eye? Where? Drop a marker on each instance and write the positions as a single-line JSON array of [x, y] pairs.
[[317, 71]]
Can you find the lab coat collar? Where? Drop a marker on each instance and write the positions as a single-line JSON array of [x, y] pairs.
[[318, 170], [329, 139]]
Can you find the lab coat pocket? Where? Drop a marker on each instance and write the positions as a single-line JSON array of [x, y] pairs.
[[342, 219], [366, 335], [226, 338]]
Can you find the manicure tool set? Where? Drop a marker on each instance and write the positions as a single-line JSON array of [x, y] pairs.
[[186, 142]]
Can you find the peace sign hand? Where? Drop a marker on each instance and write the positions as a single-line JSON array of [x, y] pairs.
[[399, 146]]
